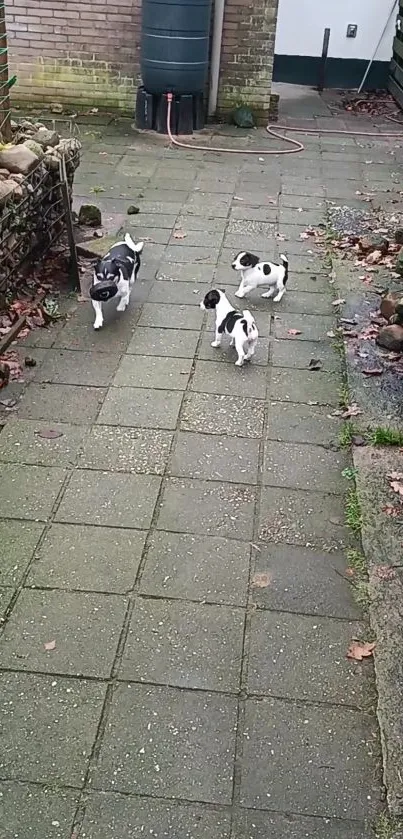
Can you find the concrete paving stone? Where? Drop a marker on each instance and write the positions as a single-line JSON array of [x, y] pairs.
[[78, 333], [175, 317], [316, 670], [150, 371], [304, 467], [205, 183], [307, 202], [85, 628], [302, 264], [302, 186], [187, 567], [49, 727], [185, 253], [187, 222], [119, 814], [298, 423], [126, 450], [164, 742], [186, 645], [44, 337], [334, 751], [146, 220], [161, 185], [141, 408], [77, 368], [183, 272], [210, 509], [250, 195], [195, 238], [5, 598], [208, 353], [312, 519], [154, 206], [109, 499], [304, 581], [226, 276], [307, 217], [64, 403], [178, 294], [29, 810], [176, 343], [222, 414], [247, 381], [87, 558], [165, 196], [309, 387], [300, 354], [254, 824], [267, 214], [251, 227], [21, 442], [301, 302], [201, 203], [215, 458], [154, 235], [29, 492], [18, 541]]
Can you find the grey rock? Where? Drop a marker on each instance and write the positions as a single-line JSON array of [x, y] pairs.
[[90, 215], [391, 337], [399, 262], [20, 159], [45, 138]]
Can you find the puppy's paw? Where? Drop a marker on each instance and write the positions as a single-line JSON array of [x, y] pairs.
[[239, 362], [240, 294], [98, 325], [216, 343], [121, 307], [267, 294]]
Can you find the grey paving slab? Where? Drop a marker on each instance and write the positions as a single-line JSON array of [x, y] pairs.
[[78, 368], [312, 519], [87, 558], [203, 223], [78, 332], [176, 343], [64, 403], [187, 645], [210, 509], [221, 414], [226, 379], [208, 353], [300, 354], [126, 450], [306, 202], [201, 203], [6, 595], [29, 492], [334, 747], [49, 726], [171, 317], [141, 407], [211, 239], [187, 253], [18, 541], [308, 281], [30, 810], [177, 294], [118, 814], [304, 467], [187, 567], [316, 670], [254, 824], [311, 388], [215, 458], [26, 441], [153, 372], [311, 327], [302, 302], [169, 743], [84, 627], [303, 581], [153, 206], [109, 499], [185, 272], [266, 214], [307, 217], [144, 221]]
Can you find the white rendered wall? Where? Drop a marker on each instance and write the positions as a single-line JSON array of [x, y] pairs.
[[301, 23]]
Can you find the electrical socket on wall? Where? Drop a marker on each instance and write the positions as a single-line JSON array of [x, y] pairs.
[[352, 30]]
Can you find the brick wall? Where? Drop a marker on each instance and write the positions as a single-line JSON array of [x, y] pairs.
[[86, 52], [78, 53], [247, 55]]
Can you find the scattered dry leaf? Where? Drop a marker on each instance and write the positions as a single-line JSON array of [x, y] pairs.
[[180, 234], [359, 650], [351, 411], [261, 580], [338, 302], [294, 332], [50, 645], [50, 433], [373, 371], [392, 511]]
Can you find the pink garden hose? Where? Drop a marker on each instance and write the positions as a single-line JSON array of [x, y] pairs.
[[297, 146]]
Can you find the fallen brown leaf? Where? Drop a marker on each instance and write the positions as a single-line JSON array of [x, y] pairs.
[[50, 433], [397, 487], [50, 645], [373, 371], [261, 580], [179, 234], [393, 512], [351, 411], [294, 332], [338, 302], [359, 650]]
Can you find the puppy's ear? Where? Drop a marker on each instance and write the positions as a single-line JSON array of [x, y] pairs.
[[211, 299], [139, 247], [249, 260]]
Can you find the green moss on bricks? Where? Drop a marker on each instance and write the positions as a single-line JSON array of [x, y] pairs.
[[77, 81]]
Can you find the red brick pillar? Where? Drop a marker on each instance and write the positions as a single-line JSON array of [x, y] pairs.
[[247, 56]]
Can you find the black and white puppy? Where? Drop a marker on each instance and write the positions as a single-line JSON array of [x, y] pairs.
[[114, 276], [255, 273], [241, 327]]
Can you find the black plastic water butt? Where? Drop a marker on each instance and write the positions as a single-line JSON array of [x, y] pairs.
[[175, 39]]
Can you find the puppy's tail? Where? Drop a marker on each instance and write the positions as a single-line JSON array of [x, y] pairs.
[[132, 245], [284, 262], [251, 328]]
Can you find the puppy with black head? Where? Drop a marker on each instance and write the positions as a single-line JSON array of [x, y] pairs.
[[255, 273], [114, 276], [240, 326]]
